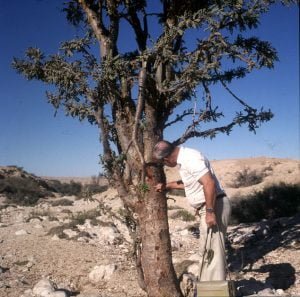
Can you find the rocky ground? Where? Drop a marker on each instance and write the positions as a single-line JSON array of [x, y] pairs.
[[83, 249]]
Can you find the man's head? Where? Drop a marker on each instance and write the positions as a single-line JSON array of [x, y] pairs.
[[166, 152]]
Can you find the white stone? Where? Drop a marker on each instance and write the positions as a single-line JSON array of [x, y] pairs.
[[38, 226], [123, 230], [27, 293], [70, 233], [21, 232], [102, 272], [193, 269], [83, 239], [176, 261], [184, 232], [35, 220], [280, 292], [43, 288], [55, 237], [266, 292], [103, 234]]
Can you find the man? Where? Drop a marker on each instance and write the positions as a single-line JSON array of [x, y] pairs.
[[206, 195]]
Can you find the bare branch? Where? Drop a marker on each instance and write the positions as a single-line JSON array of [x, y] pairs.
[[139, 110], [180, 117], [233, 95], [140, 33], [94, 19], [252, 118]]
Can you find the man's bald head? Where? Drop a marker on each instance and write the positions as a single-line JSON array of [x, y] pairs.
[[163, 149]]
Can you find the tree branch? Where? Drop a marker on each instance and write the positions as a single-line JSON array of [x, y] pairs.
[[251, 117], [95, 21], [180, 117], [140, 34], [139, 111]]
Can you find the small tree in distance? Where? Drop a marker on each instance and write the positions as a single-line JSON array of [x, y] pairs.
[[131, 96]]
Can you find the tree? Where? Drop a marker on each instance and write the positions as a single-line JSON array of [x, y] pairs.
[[131, 96]]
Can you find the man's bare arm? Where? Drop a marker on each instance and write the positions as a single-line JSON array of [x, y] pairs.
[[209, 188], [169, 186]]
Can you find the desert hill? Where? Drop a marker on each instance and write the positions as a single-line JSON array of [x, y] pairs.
[[79, 246]]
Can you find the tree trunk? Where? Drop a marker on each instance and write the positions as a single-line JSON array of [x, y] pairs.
[[156, 253]]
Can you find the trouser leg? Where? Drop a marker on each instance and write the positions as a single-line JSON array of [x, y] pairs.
[[216, 268]]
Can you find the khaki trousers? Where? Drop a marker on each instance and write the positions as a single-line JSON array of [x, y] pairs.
[[216, 268]]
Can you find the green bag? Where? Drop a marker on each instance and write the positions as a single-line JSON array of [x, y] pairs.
[[223, 288], [215, 289]]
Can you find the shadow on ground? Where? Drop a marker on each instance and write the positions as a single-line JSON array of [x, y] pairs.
[[281, 233]]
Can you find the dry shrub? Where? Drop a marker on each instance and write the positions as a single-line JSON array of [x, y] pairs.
[[275, 201], [184, 215], [247, 178], [22, 191], [61, 202]]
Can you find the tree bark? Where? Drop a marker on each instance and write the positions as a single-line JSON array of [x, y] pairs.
[[156, 252]]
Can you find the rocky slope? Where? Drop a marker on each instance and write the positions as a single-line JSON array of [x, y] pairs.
[[82, 248]]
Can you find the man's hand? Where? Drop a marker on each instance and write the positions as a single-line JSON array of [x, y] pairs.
[[160, 187], [210, 219]]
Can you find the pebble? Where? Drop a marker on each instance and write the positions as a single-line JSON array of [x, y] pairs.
[[21, 232]]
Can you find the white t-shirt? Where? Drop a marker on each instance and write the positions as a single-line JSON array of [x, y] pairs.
[[192, 166]]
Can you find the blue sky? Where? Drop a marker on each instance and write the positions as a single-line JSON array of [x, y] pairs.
[[31, 137]]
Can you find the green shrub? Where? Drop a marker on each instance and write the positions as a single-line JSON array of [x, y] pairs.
[[184, 215], [39, 214], [275, 201], [22, 191], [91, 189], [68, 189], [95, 188], [246, 178], [61, 202], [78, 219]]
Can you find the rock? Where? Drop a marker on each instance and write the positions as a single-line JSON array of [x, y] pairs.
[[21, 232], [123, 230], [188, 285], [280, 292], [103, 234], [27, 293], [266, 292], [38, 226], [193, 269], [70, 233], [43, 288], [184, 232], [102, 272], [35, 221]]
